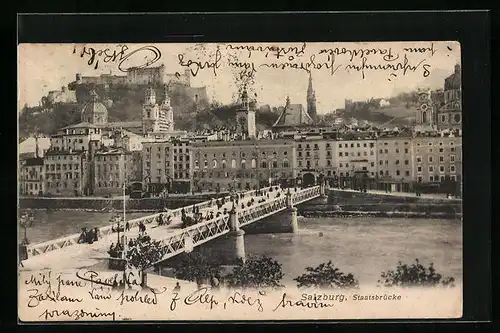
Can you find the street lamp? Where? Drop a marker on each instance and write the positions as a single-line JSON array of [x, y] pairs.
[[26, 221]]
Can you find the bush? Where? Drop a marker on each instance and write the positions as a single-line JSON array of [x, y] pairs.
[[255, 272], [326, 276], [415, 275], [197, 267]]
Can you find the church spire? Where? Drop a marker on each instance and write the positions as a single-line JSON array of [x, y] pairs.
[[311, 99]]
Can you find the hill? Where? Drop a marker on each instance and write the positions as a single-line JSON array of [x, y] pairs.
[[124, 103]]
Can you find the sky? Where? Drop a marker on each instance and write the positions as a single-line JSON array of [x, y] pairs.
[[339, 71]]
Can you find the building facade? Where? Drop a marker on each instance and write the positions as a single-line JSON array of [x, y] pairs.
[[157, 118], [166, 165], [395, 163], [32, 176], [66, 172], [437, 159], [239, 165]]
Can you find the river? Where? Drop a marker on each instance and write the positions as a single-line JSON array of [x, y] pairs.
[[362, 246]]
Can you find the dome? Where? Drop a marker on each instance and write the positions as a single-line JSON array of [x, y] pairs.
[[94, 112]]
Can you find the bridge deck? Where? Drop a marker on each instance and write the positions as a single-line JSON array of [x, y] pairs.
[[88, 255]]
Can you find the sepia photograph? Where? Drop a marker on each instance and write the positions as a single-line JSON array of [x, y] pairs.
[[240, 181]]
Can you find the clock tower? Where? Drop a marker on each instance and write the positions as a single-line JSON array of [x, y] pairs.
[[167, 112], [245, 116]]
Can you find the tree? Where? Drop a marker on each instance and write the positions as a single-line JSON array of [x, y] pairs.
[[143, 255], [326, 276], [414, 275], [197, 267], [255, 272]]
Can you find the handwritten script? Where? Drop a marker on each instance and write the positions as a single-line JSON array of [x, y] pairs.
[[120, 54]]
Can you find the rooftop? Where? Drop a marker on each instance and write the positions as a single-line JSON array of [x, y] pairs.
[[33, 161]]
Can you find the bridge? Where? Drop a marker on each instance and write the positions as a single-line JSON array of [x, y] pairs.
[[66, 252]]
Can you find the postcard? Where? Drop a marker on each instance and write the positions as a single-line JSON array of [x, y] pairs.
[[239, 181]]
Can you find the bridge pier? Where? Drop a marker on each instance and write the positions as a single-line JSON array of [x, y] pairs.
[[236, 239]]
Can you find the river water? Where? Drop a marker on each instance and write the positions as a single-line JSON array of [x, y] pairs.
[[362, 246]]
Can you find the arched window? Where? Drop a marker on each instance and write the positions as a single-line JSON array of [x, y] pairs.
[[243, 164], [196, 164], [424, 117], [285, 163], [223, 164], [275, 164], [214, 164], [205, 164], [233, 163], [254, 163], [264, 164]]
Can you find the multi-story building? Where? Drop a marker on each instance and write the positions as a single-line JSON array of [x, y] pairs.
[[395, 163], [157, 118], [248, 164], [356, 158], [66, 172], [112, 168], [315, 156], [32, 176], [75, 137], [437, 159], [166, 165]]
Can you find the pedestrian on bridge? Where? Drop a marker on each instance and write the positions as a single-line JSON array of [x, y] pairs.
[[127, 226], [96, 235]]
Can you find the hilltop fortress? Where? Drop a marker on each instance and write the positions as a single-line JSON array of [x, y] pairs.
[[137, 77]]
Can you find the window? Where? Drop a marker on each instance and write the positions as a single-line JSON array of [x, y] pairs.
[[275, 164], [372, 164], [441, 150], [430, 159], [452, 149], [452, 168], [352, 145], [397, 172], [233, 163], [419, 169], [397, 151], [407, 162], [419, 159], [329, 163], [286, 164], [254, 163], [441, 168], [381, 173], [419, 178], [214, 164], [381, 162], [223, 164], [263, 164], [453, 177], [341, 165], [300, 163], [300, 154], [358, 145], [407, 173], [300, 146], [452, 158], [243, 164], [431, 178], [205, 164], [347, 165], [381, 151], [406, 150], [340, 154], [371, 153], [431, 168], [441, 159], [397, 162], [359, 154]]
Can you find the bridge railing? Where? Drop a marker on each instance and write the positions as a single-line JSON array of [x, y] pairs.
[[197, 234], [175, 243], [306, 194], [40, 248]]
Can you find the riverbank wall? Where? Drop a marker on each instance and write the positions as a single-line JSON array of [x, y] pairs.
[[107, 204], [349, 203]]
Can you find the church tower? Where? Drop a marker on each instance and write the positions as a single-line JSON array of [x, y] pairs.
[[425, 113], [167, 112], [245, 116], [150, 112], [311, 99]]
